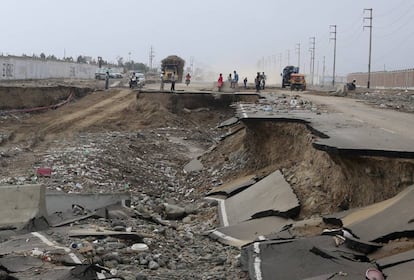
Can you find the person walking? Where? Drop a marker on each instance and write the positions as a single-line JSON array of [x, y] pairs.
[[107, 80], [263, 80], [257, 82], [173, 82], [245, 83], [220, 82], [162, 81]]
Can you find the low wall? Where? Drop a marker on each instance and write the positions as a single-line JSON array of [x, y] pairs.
[[23, 68], [387, 79]]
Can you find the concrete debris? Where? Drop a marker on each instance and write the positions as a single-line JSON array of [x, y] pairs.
[[193, 166], [20, 204]]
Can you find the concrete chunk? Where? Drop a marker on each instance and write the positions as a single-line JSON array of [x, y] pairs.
[[20, 204]]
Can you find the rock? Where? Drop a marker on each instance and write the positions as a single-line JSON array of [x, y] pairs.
[[111, 263], [153, 265], [174, 212], [141, 277], [191, 209], [112, 257]]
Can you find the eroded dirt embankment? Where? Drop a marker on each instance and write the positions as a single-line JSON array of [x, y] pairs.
[[12, 97], [323, 182]]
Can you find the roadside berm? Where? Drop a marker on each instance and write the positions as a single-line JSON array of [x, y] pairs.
[[260, 185]]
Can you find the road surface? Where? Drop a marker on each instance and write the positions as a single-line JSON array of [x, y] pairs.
[[394, 122]]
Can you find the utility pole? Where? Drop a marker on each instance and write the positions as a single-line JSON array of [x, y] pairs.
[[298, 53], [323, 72], [192, 65], [288, 57], [312, 43], [370, 42], [280, 61], [333, 33], [151, 57]]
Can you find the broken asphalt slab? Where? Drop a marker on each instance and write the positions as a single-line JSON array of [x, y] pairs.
[[337, 133], [246, 232], [396, 259], [380, 222], [315, 258], [20, 263], [271, 196], [235, 186]]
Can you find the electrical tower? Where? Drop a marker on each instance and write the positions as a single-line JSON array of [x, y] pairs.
[[369, 18], [151, 57], [312, 42], [333, 33]]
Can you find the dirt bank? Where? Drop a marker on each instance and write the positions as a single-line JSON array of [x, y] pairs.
[[324, 183], [12, 97]]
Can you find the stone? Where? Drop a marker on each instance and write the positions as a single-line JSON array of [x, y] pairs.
[[141, 277], [153, 265], [174, 212]]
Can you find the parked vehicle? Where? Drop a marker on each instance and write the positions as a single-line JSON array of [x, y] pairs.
[[100, 73], [115, 75]]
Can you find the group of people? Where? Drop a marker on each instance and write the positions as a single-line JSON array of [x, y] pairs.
[[173, 79], [260, 81]]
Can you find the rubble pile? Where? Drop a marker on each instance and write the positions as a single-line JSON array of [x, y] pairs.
[[165, 208], [401, 101]]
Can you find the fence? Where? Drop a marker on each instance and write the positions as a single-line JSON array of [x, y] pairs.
[[386, 79]]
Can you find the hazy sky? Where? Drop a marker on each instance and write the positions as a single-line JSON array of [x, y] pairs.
[[219, 35]]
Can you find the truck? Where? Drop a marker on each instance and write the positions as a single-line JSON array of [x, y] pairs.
[[287, 72], [172, 64]]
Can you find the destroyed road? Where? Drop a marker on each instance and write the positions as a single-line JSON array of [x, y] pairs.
[[147, 185]]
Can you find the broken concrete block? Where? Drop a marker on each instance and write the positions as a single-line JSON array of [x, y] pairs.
[[20, 204], [193, 166]]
